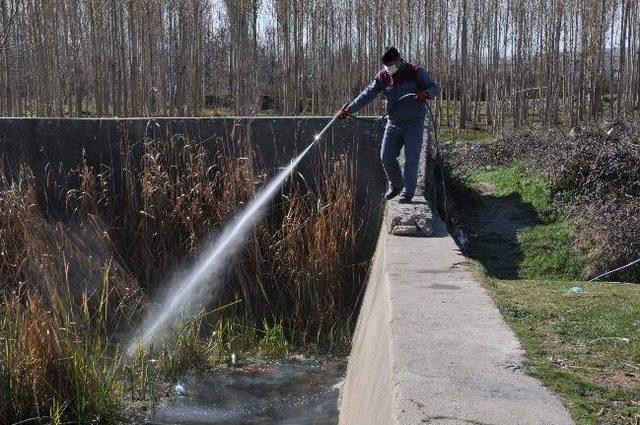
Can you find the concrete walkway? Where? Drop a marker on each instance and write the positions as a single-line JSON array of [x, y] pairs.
[[431, 346]]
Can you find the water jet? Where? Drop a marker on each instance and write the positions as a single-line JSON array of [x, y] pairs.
[[187, 293]]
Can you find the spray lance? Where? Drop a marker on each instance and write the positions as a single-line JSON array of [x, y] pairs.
[[326, 127], [393, 106], [335, 117]]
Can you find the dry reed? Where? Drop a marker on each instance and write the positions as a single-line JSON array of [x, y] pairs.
[[78, 261]]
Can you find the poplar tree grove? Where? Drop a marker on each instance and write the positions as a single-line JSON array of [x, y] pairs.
[[499, 62]]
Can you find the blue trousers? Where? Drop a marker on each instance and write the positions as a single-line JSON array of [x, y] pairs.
[[395, 137]]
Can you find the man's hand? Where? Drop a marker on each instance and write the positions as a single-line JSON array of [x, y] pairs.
[[344, 113], [422, 96]]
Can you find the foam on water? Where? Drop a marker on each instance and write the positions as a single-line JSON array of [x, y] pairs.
[[189, 292]]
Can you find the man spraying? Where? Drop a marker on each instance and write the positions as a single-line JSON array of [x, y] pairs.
[[405, 125]]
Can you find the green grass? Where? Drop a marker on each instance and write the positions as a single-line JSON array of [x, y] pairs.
[[274, 341], [549, 253], [548, 245], [463, 135], [576, 343], [518, 179]]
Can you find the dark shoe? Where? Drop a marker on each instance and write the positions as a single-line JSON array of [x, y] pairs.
[[404, 199], [392, 193]]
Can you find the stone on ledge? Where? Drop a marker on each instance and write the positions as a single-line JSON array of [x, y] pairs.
[[413, 219]]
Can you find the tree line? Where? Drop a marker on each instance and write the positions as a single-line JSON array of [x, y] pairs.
[[499, 62]]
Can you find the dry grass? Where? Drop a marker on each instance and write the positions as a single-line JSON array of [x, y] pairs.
[[57, 362], [315, 244], [81, 253]]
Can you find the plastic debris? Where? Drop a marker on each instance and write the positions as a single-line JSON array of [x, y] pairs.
[[180, 390], [233, 358], [463, 240], [575, 290]]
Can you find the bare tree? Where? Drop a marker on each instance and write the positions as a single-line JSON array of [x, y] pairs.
[[498, 61]]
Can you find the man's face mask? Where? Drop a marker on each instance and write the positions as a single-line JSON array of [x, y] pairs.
[[391, 69]]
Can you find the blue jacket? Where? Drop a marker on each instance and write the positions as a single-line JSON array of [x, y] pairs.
[[409, 78]]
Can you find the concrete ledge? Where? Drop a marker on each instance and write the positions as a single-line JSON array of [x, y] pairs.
[[366, 396], [431, 347]]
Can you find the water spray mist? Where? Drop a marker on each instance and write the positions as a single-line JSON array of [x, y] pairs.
[[191, 291]]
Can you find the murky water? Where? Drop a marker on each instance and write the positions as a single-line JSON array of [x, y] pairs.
[[298, 391]]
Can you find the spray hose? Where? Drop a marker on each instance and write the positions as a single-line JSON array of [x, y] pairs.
[[439, 164], [393, 106]]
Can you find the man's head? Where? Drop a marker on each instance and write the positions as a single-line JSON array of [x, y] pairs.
[[391, 60]]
